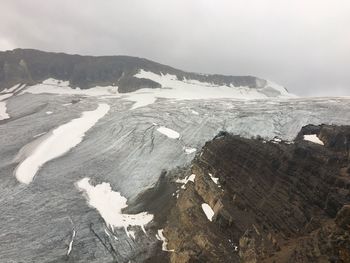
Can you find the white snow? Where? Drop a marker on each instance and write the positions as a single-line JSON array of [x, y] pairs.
[[160, 236], [56, 82], [141, 99], [281, 89], [3, 111], [49, 112], [12, 89], [71, 243], [276, 140], [53, 86], [60, 141], [5, 96], [187, 89], [168, 132], [186, 180], [172, 88], [215, 179], [192, 89], [110, 204], [208, 211], [189, 150], [313, 138]]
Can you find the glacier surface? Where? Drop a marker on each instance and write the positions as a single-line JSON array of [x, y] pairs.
[[123, 149]]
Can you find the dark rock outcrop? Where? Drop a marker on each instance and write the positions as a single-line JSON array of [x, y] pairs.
[[274, 202], [30, 66]]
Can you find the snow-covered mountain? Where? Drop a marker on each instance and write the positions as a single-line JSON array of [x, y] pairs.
[[85, 140], [31, 67]]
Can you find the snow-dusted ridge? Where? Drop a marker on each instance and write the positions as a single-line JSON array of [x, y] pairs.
[[171, 88], [60, 141], [54, 86], [188, 89]]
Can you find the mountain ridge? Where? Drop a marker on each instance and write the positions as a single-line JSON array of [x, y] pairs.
[[30, 66]]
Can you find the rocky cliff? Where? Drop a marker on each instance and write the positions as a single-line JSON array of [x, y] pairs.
[[30, 67], [273, 201]]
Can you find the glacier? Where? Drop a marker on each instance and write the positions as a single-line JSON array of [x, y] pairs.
[[125, 150]]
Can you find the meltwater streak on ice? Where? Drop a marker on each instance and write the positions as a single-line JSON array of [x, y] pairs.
[[61, 140]]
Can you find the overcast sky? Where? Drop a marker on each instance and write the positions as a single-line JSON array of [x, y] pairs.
[[301, 44]]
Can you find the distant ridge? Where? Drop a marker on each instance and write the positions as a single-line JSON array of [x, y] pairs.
[[29, 66]]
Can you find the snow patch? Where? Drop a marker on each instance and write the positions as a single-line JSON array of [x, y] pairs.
[[160, 236], [168, 132], [189, 150], [60, 141], [187, 179], [110, 204], [141, 99], [188, 89], [49, 112], [276, 140], [3, 111], [5, 96], [56, 82], [215, 179], [12, 89], [313, 138], [53, 86], [208, 211]]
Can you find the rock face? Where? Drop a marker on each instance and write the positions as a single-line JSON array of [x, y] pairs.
[[273, 202], [29, 66]]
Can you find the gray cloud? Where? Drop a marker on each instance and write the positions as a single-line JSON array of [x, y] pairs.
[[303, 45]]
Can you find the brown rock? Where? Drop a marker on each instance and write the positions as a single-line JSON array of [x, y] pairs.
[[343, 217]]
